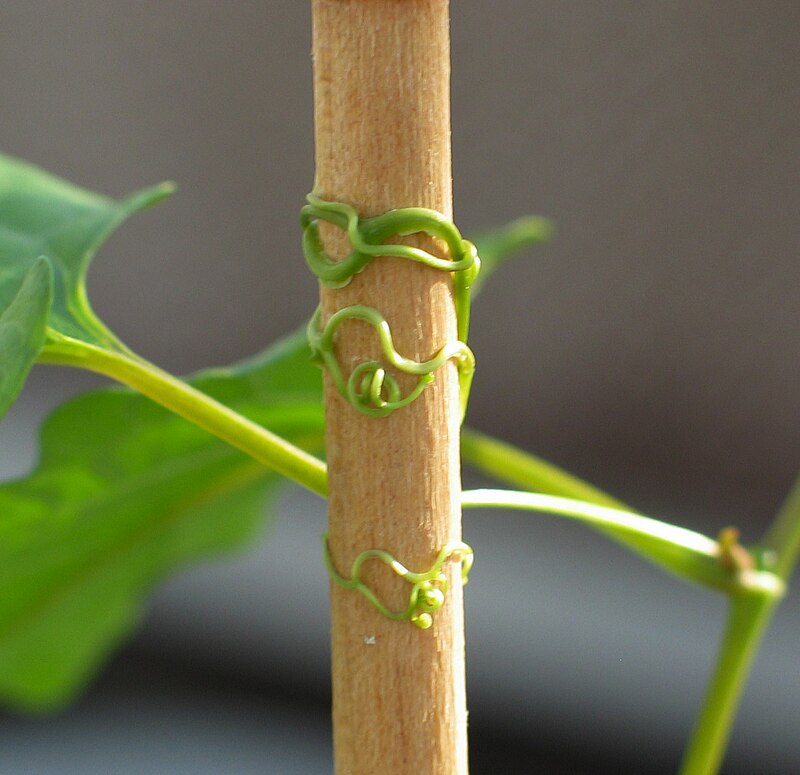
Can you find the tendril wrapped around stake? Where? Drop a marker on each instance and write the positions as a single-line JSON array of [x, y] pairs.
[[370, 388], [428, 588]]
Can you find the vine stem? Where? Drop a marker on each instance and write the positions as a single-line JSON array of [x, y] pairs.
[[690, 555], [749, 616], [781, 542], [262, 445], [516, 467], [748, 619], [751, 606]]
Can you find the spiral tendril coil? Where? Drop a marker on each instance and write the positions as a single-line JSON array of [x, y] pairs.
[[370, 388], [428, 588]]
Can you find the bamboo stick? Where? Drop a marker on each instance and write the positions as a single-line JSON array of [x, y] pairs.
[[382, 117]]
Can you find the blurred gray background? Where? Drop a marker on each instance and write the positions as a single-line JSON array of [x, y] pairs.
[[652, 348]]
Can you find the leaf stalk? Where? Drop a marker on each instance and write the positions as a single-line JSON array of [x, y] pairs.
[[264, 446]]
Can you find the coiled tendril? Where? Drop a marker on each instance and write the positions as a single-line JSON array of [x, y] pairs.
[[428, 588], [370, 388]]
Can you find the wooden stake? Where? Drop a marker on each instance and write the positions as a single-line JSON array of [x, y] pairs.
[[381, 88]]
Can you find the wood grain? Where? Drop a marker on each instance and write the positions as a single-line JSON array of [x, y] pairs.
[[382, 116]]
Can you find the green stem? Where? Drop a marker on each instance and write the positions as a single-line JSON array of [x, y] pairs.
[[521, 469], [262, 445], [783, 537], [622, 522], [751, 604], [748, 618], [689, 554]]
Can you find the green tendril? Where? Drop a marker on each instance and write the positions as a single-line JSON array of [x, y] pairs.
[[428, 588], [369, 388]]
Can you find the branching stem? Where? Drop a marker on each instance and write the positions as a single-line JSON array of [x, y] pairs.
[[692, 555]]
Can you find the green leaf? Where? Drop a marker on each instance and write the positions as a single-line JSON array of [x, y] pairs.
[[496, 246], [42, 215], [23, 324], [125, 492]]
